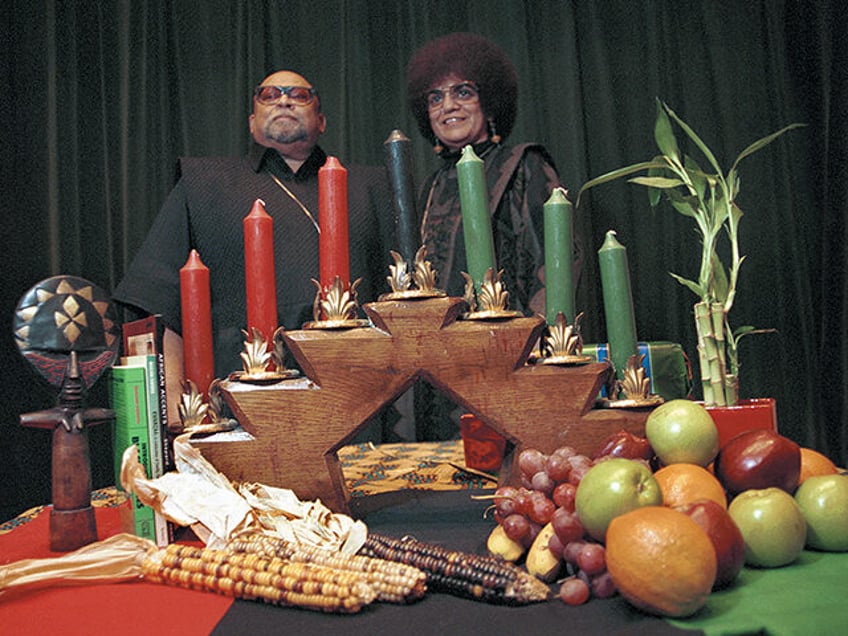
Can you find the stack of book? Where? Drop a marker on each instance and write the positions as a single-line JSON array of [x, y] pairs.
[[141, 418]]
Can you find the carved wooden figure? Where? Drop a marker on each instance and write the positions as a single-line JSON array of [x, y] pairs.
[[64, 328], [300, 424]]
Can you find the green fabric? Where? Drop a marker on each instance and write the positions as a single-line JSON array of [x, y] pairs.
[[808, 597]]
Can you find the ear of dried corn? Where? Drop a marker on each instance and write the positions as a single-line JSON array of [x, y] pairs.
[[393, 582], [472, 576], [252, 577]]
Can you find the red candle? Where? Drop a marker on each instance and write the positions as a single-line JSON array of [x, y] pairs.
[[196, 308], [334, 258], [259, 278]]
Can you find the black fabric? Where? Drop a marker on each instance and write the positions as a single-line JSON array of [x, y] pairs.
[[519, 181], [455, 521], [205, 211]]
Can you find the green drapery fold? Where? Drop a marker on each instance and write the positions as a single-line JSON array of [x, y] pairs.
[[100, 98]]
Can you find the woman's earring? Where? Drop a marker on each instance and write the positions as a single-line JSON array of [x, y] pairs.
[[494, 136], [437, 147]]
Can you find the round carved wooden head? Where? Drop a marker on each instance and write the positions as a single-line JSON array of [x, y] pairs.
[[62, 314]]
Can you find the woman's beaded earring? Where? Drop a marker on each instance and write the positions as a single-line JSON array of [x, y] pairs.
[[494, 136]]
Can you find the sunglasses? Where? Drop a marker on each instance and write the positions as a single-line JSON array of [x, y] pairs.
[[298, 95]]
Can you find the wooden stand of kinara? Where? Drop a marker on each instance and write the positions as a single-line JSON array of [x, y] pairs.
[[351, 374]]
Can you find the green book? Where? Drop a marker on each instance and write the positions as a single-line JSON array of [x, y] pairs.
[[128, 388]]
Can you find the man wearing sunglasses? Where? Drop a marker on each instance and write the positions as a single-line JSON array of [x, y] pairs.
[[206, 209], [287, 117]]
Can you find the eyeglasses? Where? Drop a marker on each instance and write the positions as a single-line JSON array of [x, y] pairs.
[[298, 95], [464, 93]]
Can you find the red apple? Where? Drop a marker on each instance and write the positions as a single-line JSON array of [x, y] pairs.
[[626, 445], [758, 459], [725, 536]]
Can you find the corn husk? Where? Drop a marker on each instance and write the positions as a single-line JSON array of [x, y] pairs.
[[310, 523], [197, 495], [116, 559]]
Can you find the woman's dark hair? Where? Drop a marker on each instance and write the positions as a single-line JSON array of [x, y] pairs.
[[471, 57]]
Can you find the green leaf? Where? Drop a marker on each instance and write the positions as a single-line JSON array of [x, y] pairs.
[[765, 141], [748, 330], [662, 183], [617, 174], [720, 282], [654, 194], [686, 205], [694, 287], [721, 212], [664, 135], [698, 142], [697, 176], [735, 216], [733, 184]]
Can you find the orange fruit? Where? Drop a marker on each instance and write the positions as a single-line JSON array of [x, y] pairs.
[[683, 484], [814, 463], [660, 560]]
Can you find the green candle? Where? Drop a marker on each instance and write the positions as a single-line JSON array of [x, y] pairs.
[[559, 273], [618, 302], [476, 223]]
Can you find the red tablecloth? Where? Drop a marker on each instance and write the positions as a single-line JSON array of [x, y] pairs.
[[124, 608]]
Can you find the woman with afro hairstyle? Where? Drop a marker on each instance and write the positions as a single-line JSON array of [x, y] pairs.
[[462, 89]]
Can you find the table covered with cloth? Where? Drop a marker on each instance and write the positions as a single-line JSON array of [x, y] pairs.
[[433, 504]]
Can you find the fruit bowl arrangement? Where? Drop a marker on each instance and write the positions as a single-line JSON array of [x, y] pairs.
[[666, 519]]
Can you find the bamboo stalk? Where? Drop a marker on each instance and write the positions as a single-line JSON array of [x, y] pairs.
[[717, 314], [703, 363], [731, 388], [712, 372]]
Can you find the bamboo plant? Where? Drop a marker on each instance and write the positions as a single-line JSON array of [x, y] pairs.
[[709, 199]]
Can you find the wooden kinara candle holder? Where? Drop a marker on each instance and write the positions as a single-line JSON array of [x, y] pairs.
[[350, 375]]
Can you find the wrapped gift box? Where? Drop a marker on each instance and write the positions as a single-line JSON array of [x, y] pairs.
[[665, 363]]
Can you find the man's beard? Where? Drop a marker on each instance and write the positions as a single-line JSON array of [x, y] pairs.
[[285, 131]]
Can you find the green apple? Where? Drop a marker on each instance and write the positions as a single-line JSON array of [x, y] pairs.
[[682, 431], [772, 526], [824, 502], [612, 487]]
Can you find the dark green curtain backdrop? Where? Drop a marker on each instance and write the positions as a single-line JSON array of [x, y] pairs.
[[100, 98]]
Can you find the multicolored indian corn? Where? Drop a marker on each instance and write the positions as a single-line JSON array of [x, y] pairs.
[[393, 582], [472, 576], [253, 577]]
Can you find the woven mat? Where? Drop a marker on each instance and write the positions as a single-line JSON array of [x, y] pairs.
[[368, 470]]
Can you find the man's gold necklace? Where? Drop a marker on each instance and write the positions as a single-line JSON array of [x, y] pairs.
[[296, 200]]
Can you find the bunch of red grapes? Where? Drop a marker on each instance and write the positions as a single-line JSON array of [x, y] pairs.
[[549, 484]]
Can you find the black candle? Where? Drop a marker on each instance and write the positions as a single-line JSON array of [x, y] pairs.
[[399, 169]]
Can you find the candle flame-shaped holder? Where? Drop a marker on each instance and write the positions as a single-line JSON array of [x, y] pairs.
[[634, 388], [492, 301], [420, 283], [202, 418], [258, 357], [562, 343], [336, 306]]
